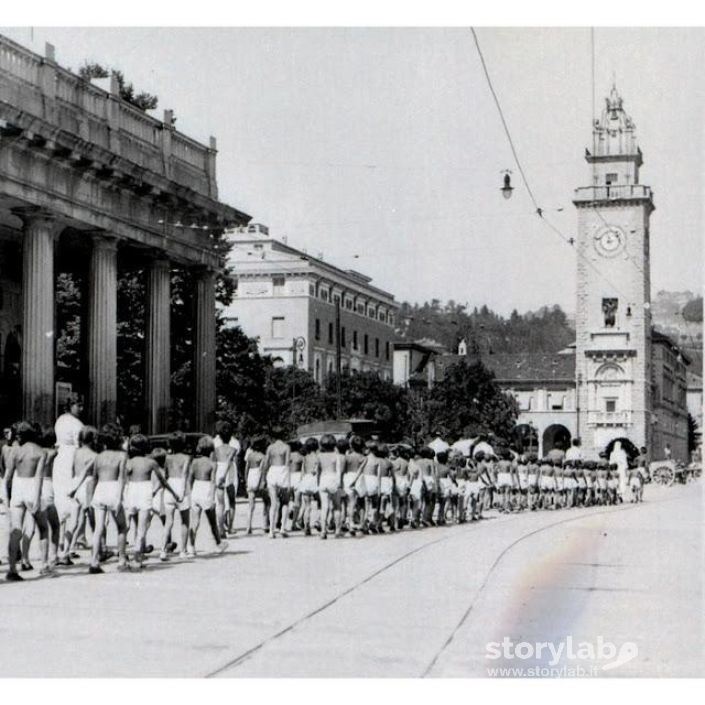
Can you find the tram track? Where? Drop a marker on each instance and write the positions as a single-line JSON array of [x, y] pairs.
[[241, 658]]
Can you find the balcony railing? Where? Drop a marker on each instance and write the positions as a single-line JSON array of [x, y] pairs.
[[41, 88], [615, 192], [609, 418]]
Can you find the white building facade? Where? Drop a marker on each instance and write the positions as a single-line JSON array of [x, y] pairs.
[[298, 306]]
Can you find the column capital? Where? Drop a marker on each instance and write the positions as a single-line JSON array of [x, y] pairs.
[[158, 260], [103, 240], [203, 271], [36, 216]]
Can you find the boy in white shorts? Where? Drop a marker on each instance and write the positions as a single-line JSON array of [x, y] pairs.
[[402, 484], [202, 476], [352, 455], [309, 480], [533, 480], [387, 490], [225, 476], [296, 461], [24, 486], [416, 490], [107, 497], [547, 484], [276, 468], [254, 480], [505, 479], [176, 468], [47, 518], [142, 471], [474, 486]]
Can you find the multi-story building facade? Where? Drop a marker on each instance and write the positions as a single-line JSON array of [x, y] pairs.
[[297, 306], [669, 394]]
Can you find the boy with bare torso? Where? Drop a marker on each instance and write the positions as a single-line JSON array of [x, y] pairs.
[[82, 492], [176, 467], [202, 476], [107, 496], [24, 483], [276, 468], [225, 477], [141, 472]]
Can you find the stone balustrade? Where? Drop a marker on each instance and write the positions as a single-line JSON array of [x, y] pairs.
[[41, 88]]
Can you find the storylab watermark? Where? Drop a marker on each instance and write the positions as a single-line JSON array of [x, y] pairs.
[[567, 658]]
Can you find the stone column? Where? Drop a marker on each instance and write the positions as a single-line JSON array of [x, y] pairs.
[[204, 351], [102, 331], [40, 230], [158, 347]]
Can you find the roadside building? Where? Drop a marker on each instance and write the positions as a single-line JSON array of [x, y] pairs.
[[297, 306]]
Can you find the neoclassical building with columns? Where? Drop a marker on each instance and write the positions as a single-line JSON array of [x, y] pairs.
[[89, 183]]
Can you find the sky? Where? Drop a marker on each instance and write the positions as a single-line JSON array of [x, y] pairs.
[[382, 148]]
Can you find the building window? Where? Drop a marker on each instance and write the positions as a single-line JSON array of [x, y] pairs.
[[278, 283], [380, 316], [557, 402], [366, 345], [349, 305], [376, 347], [330, 334], [611, 179], [342, 337], [354, 340], [336, 300], [386, 350], [609, 310], [361, 308], [277, 326], [317, 371], [311, 290], [610, 405], [324, 295], [318, 329]]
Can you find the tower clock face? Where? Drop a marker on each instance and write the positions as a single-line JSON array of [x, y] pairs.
[[609, 241]]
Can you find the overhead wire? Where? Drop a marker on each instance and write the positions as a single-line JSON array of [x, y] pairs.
[[539, 211]]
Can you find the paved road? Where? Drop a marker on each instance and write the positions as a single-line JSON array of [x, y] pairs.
[[419, 603]]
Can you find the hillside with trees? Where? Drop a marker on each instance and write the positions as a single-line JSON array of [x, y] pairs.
[[545, 330]]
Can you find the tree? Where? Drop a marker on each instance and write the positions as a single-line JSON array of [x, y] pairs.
[[545, 330], [68, 326], [292, 397], [365, 395], [143, 101], [240, 380], [468, 401], [693, 310]]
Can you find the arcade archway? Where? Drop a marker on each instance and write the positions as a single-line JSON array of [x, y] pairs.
[[556, 436], [628, 446]]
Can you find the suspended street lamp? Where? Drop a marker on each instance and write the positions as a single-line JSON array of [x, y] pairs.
[[507, 188]]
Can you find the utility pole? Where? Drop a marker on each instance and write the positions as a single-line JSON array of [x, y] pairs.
[[338, 399]]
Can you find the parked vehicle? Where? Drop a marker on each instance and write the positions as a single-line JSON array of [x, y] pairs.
[[342, 428]]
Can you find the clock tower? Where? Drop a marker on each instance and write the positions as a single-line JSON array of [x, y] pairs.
[[613, 318]]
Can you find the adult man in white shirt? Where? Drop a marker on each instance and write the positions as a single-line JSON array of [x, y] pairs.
[[482, 446], [574, 452], [438, 444], [67, 429]]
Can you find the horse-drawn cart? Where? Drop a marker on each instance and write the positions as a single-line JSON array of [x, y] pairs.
[[666, 472]]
